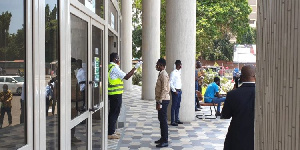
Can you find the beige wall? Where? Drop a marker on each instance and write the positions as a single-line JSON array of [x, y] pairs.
[[277, 114], [253, 14]]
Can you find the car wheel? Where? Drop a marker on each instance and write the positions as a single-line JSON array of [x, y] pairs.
[[19, 91]]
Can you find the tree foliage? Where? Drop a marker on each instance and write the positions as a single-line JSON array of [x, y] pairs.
[[12, 46], [137, 29], [51, 34], [222, 49], [216, 23], [249, 37]]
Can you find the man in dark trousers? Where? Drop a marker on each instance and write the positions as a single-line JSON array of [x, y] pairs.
[[175, 85], [162, 97], [240, 106], [115, 90]]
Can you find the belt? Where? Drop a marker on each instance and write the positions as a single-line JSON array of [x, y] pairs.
[[178, 90], [82, 82]]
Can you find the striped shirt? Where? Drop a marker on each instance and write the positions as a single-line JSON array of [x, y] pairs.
[[5, 98]]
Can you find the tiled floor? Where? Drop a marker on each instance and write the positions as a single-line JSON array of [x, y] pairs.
[[142, 128]]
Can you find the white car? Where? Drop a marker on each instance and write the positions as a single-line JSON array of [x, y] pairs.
[[14, 83]]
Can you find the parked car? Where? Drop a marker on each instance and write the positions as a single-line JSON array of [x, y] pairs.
[[213, 68], [14, 83]]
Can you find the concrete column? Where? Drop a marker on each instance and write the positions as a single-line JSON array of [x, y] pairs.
[[181, 44], [150, 46], [126, 53]]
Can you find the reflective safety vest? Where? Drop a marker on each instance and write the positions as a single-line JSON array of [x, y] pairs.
[[115, 86]]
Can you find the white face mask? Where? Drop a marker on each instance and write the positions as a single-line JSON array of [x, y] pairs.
[[4, 90]]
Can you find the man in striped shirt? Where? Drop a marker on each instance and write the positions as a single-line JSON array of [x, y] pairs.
[[5, 99]]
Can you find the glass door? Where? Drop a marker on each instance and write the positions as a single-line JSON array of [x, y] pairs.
[[87, 115], [97, 113]]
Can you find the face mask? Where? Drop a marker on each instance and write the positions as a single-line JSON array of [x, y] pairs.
[[4, 90]]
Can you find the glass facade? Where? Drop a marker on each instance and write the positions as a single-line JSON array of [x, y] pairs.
[[96, 6], [54, 99], [79, 49], [13, 120], [52, 82]]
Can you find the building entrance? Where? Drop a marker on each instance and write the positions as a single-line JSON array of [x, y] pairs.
[[87, 99]]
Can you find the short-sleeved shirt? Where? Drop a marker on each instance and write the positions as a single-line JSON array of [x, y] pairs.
[[116, 72], [81, 78], [210, 92], [6, 98]]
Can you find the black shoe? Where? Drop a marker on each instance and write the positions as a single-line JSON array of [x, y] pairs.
[[158, 141], [218, 113], [174, 124], [164, 144], [179, 122]]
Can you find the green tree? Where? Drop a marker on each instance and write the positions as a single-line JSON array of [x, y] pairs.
[[137, 29], [5, 19], [163, 23], [51, 27], [16, 46], [217, 22], [249, 37]]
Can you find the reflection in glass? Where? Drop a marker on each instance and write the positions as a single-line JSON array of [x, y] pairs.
[[52, 74], [97, 47], [96, 6], [12, 74], [97, 129], [79, 136], [79, 39], [112, 16]]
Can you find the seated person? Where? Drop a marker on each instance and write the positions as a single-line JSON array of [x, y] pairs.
[[212, 94]]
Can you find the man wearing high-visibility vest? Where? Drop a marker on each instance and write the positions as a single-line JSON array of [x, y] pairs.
[[115, 90]]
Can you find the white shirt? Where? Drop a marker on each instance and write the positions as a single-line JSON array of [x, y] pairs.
[[116, 72], [81, 77], [175, 80]]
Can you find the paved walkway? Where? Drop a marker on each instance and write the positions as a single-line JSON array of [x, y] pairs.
[[142, 128]]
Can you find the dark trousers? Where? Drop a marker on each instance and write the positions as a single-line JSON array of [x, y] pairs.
[[23, 111], [8, 111], [47, 105], [176, 99], [114, 111], [162, 117], [83, 97], [196, 98]]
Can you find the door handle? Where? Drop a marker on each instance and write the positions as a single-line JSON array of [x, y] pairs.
[[94, 108]]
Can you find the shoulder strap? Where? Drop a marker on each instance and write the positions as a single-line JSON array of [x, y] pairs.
[[110, 68]]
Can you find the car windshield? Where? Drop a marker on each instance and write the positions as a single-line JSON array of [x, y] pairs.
[[19, 79]]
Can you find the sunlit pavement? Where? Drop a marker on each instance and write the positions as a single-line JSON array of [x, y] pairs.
[[142, 128]]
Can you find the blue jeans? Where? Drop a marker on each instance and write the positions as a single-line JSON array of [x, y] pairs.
[[176, 99], [218, 101], [162, 117]]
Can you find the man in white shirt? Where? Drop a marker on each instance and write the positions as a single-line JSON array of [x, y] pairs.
[[175, 85], [81, 79], [115, 90]]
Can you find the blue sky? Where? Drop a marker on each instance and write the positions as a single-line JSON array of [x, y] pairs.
[[16, 7]]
